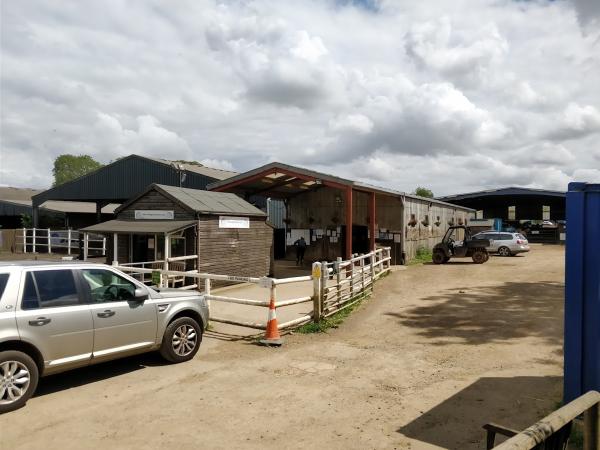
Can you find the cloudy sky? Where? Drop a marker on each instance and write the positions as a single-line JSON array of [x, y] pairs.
[[452, 95]]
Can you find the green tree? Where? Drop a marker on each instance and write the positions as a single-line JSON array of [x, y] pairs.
[[423, 192], [68, 167]]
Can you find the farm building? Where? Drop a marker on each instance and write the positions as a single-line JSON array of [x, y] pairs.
[[199, 230], [16, 206], [119, 181], [521, 208], [339, 217]]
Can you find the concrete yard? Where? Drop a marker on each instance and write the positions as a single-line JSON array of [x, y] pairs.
[[437, 352]]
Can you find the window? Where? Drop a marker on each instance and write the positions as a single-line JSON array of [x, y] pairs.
[[506, 237], [479, 214], [49, 288], [545, 213], [3, 282], [512, 212], [106, 286]]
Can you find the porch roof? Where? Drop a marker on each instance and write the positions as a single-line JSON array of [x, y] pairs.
[[140, 226]]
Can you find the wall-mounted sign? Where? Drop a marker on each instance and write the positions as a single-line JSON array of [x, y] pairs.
[[150, 214], [234, 222]]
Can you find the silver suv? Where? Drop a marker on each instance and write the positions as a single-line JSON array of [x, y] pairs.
[[504, 243], [57, 316]]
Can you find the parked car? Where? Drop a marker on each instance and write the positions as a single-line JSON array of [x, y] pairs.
[[503, 243], [58, 316]]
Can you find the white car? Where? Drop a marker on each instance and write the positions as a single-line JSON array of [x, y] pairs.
[[504, 243]]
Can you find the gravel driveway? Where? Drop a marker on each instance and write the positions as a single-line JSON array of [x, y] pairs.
[[433, 355]]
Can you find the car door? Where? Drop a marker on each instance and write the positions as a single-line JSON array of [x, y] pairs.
[[122, 324], [493, 238], [54, 316]]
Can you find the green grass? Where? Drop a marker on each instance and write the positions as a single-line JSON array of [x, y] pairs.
[[423, 256], [333, 321]]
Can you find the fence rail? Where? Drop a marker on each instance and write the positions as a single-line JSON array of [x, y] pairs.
[[335, 286], [47, 240], [588, 405]]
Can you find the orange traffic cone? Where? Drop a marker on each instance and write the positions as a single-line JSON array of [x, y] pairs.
[[272, 336]]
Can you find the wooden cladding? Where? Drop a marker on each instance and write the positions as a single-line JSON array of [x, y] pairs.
[[240, 251]]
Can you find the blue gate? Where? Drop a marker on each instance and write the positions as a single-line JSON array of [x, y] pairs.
[[582, 291]]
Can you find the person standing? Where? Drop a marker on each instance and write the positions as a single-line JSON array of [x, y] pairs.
[[300, 245]]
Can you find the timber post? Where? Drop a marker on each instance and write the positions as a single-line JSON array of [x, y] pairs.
[[324, 277], [316, 276]]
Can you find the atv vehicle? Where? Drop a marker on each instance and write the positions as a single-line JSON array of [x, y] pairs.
[[458, 243]]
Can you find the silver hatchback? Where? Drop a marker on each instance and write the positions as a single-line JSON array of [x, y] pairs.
[[504, 243], [56, 316]]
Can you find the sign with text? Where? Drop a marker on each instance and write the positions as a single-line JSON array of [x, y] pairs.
[[149, 214], [234, 222]]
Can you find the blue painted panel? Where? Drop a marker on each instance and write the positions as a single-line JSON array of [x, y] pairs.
[[582, 291]]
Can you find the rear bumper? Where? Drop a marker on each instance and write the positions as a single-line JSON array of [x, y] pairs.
[[520, 249]]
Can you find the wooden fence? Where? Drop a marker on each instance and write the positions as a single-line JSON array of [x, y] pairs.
[[336, 286], [46, 240]]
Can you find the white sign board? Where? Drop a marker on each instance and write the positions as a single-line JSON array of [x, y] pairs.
[[149, 214], [234, 222], [295, 233]]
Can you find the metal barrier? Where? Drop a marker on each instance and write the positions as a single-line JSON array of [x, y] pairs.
[[336, 286], [47, 240], [544, 430]]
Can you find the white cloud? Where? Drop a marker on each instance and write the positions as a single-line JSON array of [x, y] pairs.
[[401, 93], [357, 123]]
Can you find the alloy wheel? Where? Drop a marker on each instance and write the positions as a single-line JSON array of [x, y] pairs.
[[14, 381], [184, 340], [503, 251]]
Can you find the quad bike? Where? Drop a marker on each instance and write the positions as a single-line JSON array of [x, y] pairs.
[[452, 247]]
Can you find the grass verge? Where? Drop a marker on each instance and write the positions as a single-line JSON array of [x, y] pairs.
[[423, 255], [333, 321]]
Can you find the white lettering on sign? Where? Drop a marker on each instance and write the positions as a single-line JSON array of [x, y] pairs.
[[240, 279], [149, 214], [234, 222]]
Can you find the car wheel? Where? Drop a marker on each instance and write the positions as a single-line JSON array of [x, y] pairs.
[[504, 251], [19, 377], [181, 340], [479, 256], [438, 257]]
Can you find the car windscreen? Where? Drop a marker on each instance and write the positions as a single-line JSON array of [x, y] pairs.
[[520, 236]]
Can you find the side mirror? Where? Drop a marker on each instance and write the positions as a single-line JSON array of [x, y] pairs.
[[140, 294]]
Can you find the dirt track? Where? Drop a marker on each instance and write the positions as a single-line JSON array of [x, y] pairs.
[[437, 352]]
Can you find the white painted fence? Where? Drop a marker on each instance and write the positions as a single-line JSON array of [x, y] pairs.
[[336, 286], [47, 240]]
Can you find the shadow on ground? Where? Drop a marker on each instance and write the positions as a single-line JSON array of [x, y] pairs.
[[456, 423], [484, 314], [97, 372]]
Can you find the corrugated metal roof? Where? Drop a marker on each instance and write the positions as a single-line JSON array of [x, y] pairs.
[[13, 193], [126, 177], [140, 226], [207, 202], [274, 167], [511, 190], [196, 167], [66, 207]]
